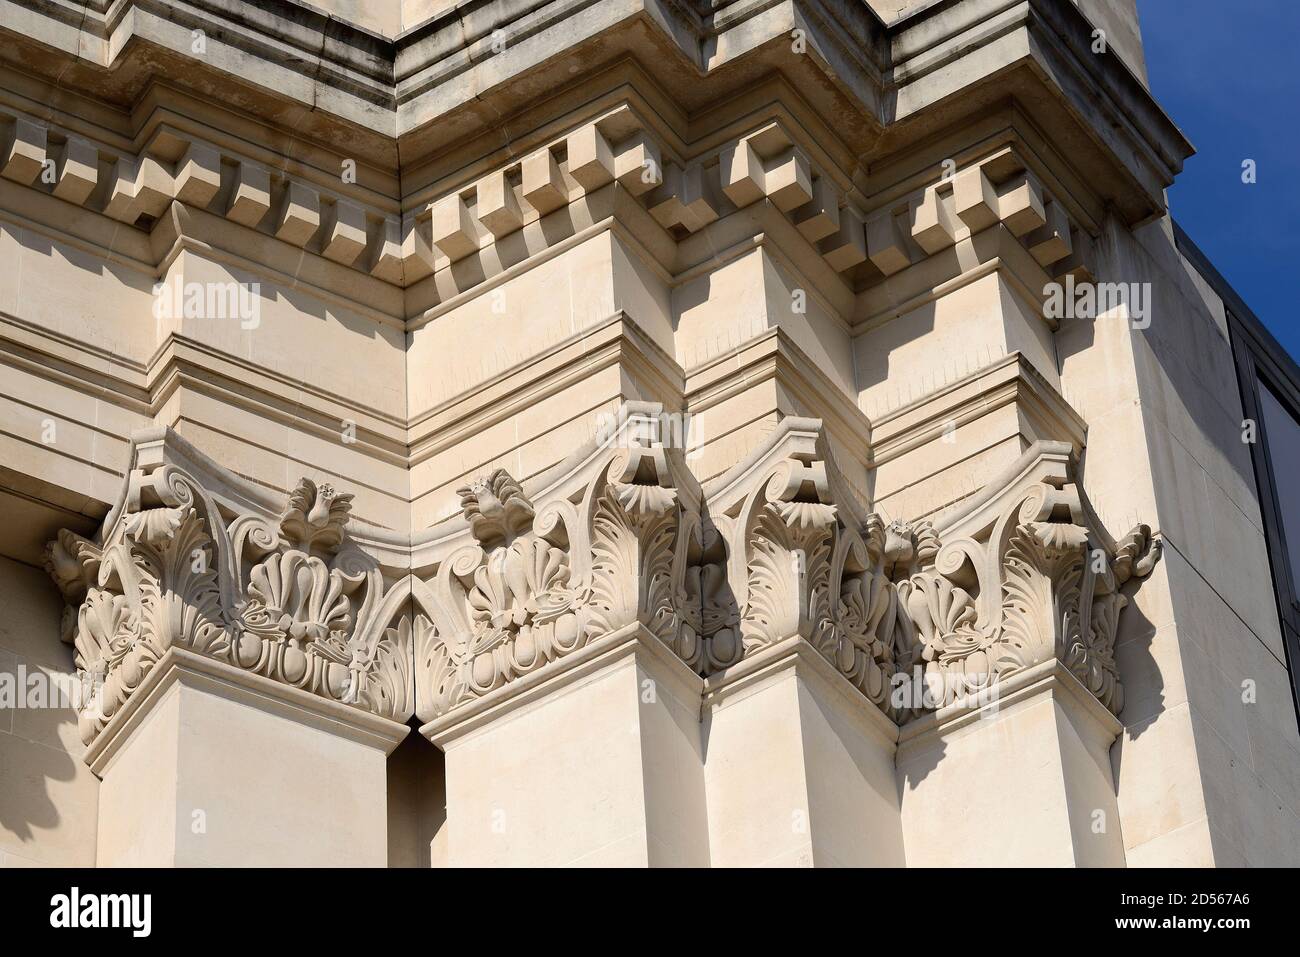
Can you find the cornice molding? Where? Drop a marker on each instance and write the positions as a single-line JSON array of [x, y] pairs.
[[1106, 115], [180, 667], [615, 341], [1027, 687], [1036, 48], [1013, 379], [441, 69]]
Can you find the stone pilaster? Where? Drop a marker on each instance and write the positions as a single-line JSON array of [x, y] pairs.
[[610, 660], [242, 686], [558, 645], [1008, 687]]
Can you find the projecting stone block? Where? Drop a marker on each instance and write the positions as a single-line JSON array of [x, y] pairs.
[[24, 153], [1077, 264], [788, 180], [77, 170], [153, 188], [848, 246], [684, 200], [120, 202], [885, 245], [198, 175], [591, 161], [252, 195], [638, 164], [1050, 242], [417, 248], [300, 215], [974, 200], [932, 227], [453, 228], [347, 233], [544, 187], [498, 209], [388, 260], [820, 217], [741, 172], [1021, 205]]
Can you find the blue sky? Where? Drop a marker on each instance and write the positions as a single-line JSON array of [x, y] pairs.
[[1227, 72]]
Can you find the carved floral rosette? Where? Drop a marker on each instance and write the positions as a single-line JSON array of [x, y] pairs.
[[617, 542], [293, 600]]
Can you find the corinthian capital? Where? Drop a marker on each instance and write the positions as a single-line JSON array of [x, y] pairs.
[[1026, 575], [193, 557], [805, 561], [609, 540], [918, 615]]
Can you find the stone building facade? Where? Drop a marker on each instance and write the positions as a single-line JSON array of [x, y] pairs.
[[630, 432]]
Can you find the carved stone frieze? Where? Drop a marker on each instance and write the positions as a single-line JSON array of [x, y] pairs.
[[916, 615], [288, 597], [1043, 584]]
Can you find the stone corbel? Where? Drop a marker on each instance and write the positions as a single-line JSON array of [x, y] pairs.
[[608, 539], [193, 557]]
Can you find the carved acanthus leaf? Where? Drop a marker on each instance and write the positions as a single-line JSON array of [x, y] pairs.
[[174, 572]]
